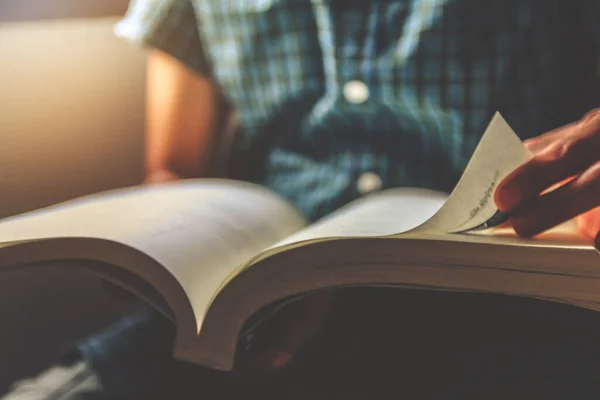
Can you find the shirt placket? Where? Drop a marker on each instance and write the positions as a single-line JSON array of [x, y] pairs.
[[347, 76]]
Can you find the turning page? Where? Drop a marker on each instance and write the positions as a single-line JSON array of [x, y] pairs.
[[470, 206]]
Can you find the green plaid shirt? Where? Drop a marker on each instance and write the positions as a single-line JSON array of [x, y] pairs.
[[337, 98], [328, 90]]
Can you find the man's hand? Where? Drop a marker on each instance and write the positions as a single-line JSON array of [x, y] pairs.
[[561, 182]]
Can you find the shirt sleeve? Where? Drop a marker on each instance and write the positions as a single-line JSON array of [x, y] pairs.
[[168, 25]]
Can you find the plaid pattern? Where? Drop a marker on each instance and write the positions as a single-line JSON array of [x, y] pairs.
[[435, 70]]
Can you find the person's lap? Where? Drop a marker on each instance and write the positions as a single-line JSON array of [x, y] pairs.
[[387, 342]]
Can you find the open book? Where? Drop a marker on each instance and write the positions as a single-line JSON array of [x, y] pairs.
[[209, 254]]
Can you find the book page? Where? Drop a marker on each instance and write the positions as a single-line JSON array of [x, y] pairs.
[[417, 211], [199, 230], [381, 214], [471, 204]]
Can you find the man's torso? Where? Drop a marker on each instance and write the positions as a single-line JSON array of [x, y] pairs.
[[328, 90]]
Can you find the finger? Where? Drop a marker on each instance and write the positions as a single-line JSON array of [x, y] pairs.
[[538, 143], [591, 117], [564, 157], [576, 197]]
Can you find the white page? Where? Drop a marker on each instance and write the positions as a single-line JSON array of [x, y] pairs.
[[381, 214], [201, 231], [410, 210], [471, 204]]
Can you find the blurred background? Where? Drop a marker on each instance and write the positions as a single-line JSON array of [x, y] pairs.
[[71, 123]]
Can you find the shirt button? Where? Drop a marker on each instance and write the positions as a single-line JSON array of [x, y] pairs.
[[356, 92], [368, 182]]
